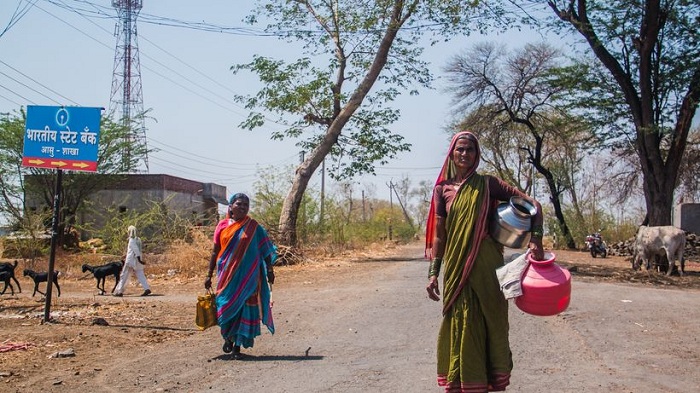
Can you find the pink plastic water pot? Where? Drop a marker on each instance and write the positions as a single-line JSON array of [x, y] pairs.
[[546, 287]]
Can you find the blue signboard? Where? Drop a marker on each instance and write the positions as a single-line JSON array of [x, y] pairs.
[[62, 137]]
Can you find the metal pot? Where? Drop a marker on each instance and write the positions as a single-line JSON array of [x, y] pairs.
[[512, 221]]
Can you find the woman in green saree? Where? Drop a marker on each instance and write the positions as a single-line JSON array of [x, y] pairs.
[[473, 353]]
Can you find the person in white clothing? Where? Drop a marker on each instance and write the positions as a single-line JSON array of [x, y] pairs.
[[132, 264]]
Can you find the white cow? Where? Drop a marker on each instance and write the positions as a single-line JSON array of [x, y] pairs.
[[653, 241]]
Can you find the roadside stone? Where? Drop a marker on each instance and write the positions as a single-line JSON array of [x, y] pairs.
[[68, 353]]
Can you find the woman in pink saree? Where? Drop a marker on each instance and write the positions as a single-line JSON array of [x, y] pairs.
[[243, 255]]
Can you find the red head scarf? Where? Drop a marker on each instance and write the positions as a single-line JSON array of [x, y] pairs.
[[448, 171]]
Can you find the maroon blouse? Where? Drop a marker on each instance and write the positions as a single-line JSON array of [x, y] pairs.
[[445, 192]]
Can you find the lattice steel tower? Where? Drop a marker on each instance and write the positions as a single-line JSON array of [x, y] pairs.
[[126, 98]]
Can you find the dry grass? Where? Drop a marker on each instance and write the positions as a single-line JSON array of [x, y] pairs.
[[189, 259], [185, 259]]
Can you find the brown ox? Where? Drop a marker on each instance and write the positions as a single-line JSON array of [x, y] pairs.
[[664, 240]]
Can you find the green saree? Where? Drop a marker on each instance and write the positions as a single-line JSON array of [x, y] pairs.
[[473, 352]]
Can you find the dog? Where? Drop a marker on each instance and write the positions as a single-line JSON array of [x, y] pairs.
[[40, 277], [10, 268], [102, 271]]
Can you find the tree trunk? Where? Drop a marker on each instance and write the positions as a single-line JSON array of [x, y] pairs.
[[658, 192], [292, 203], [558, 212]]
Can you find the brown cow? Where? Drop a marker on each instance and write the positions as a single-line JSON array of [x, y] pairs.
[[663, 240]]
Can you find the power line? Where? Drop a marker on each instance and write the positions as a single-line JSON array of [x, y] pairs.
[[175, 82], [8, 99], [38, 83], [104, 13], [180, 165], [19, 95], [17, 15], [218, 162]]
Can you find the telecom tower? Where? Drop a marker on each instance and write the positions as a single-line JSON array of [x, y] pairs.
[[126, 98]]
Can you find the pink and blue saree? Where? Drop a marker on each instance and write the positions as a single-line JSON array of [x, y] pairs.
[[242, 291]]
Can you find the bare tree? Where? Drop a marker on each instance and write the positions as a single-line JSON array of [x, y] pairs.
[[515, 103]]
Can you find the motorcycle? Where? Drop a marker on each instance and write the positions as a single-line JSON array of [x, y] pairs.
[[596, 245]]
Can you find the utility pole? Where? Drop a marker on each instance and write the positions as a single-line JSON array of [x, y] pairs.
[[364, 217], [323, 191], [391, 208], [303, 199]]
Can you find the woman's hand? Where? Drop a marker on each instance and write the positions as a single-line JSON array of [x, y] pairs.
[[433, 288], [207, 283], [270, 275], [536, 249]]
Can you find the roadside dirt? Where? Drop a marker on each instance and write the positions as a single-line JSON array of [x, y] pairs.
[[130, 344]]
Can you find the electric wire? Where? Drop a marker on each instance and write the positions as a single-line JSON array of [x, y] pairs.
[[104, 15], [218, 161], [144, 66], [197, 173], [10, 100], [179, 165], [38, 83], [31, 88], [17, 15], [177, 83], [18, 95]]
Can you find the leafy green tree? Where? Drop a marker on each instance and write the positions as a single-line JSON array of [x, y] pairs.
[[11, 171], [642, 85], [356, 58], [266, 203]]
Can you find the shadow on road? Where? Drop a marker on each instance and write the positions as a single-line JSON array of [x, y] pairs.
[[390, 259], [267, 358]]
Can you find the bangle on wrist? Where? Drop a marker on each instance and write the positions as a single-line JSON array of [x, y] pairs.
[[536, 232], [434, 270]]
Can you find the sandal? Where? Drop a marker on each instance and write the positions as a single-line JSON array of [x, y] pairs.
[[228, 346], [237, 352]]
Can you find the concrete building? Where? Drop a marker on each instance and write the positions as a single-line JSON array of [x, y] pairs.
[[185, 198], [686, 216]]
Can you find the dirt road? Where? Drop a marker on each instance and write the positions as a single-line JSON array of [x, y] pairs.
[[362, 325]]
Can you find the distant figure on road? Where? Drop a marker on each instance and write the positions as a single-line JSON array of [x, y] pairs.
[[243, 256], [133, 263], [473, 352]]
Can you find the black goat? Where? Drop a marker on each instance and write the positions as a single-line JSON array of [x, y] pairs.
[[10, 268], [102, 271], [40, 277], [5, 277]]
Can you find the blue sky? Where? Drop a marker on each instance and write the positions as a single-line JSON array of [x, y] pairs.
[[53, 56]]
